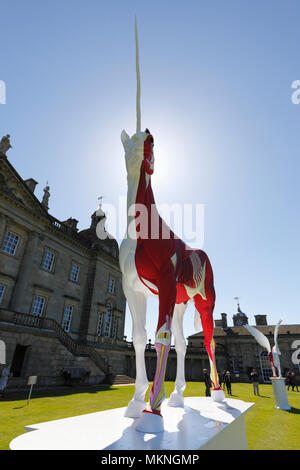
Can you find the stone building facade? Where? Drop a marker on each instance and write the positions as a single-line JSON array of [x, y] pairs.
[[235, 348], [61, 299], [62, 306], [238, 352]]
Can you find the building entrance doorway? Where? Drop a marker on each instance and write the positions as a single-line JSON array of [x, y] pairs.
[[18, 360]]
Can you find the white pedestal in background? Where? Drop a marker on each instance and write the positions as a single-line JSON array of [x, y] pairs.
[[280, 395], [202, 424]]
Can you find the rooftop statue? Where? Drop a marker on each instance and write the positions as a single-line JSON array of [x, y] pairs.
[[5, 144]]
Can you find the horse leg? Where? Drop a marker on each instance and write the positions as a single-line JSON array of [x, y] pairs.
[[205, 309], [137, 304], [176, 397], [167, 297], [152, 419]]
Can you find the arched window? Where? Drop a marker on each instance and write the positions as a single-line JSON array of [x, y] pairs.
[[114, 327], [111, 285], [67, 318], [265, 366], [100, 323], [107, 320]]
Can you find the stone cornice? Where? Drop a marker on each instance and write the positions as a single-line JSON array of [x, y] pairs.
[[7, 276], [42, 288], [48, 220], [71, 297]]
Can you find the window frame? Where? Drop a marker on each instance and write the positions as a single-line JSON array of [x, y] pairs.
[[108, 315], [4, 241], [235, 365], [265, 367], [37, 295], [69, 321], [52, 252], [2, 293], [100, 323], [114, 328], [73, 263], [113, 291]]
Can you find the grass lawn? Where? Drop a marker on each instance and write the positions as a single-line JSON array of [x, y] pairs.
[[267, 428]]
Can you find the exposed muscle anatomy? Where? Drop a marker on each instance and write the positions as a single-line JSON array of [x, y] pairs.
[[154, 261]]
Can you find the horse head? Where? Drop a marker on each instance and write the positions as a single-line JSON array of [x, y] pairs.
[[138, 153]]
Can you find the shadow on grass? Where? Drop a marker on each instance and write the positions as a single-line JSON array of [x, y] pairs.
[[295, 411], [56, 392]]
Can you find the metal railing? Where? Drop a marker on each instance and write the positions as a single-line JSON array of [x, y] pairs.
[[32, 321]]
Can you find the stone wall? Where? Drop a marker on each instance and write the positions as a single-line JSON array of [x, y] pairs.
[[45, 357], [24, 276]]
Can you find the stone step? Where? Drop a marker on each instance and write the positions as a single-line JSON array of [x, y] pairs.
[[123, 380]]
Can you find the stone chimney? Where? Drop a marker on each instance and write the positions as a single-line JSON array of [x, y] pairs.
[[260, 320], [71, 223], [224, 320], [31, 183]]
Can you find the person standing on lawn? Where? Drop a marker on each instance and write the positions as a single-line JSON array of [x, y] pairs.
[[220, 378], [5, 376], [207, 382], [288, 380], [223, 378], [254, 379], [293, 382], [228, 382]]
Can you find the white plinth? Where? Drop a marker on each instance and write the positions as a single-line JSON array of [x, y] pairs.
[[280, 395], [202, 424]]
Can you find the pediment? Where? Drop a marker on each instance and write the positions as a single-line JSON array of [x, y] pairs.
[[13, 186]]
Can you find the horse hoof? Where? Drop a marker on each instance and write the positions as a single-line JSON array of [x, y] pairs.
[[151, 423], [135, 409], [218, 395], [176, 400]]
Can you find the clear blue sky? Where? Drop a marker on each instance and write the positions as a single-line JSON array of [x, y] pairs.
[[216, 94]]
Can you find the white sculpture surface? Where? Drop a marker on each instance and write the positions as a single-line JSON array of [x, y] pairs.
[[154, 261], [265, 343]]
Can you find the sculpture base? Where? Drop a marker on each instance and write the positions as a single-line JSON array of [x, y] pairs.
[[150, 423], [218, 395], [201, 424], [280, 395]]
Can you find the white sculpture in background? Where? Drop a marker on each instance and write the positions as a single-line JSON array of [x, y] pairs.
[[273, 353], [275, 350], [278, 382]]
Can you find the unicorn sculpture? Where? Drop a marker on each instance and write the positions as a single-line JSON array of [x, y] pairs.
[[275, 350], [273, 354], [154, 261]]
